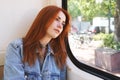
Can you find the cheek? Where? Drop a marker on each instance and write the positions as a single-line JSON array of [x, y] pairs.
[[61, 30], [54, 24]]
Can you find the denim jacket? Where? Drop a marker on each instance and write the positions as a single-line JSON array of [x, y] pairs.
[[14, 69]]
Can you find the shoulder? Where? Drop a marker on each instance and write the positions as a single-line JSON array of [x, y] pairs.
[[15, 49], [16, 43]]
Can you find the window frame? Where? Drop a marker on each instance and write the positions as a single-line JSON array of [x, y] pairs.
[[89, 69]]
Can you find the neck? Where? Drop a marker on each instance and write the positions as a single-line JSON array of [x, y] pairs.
[[44, 41], [42, 46]]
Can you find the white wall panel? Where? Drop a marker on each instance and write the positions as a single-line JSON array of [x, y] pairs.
[[16, 16]]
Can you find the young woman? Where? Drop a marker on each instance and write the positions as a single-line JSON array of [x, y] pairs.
[[41, 54]]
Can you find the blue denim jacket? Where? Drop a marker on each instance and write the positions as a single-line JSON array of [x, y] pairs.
[[14, 69]]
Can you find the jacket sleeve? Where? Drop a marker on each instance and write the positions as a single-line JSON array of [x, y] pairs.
[[13, 67], [63, 73]]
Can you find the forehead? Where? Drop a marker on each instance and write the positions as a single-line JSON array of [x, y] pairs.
[[61, 15]]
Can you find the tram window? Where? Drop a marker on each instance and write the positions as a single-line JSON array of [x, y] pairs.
[[89, 21]]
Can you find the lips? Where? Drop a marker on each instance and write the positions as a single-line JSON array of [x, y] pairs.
[[56, 30]]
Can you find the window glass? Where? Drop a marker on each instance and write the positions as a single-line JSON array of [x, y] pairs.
[[92, 34]]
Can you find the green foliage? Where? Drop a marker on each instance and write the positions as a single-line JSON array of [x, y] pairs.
[[108, 40], [89, 8], [73, 8], [99, 36]]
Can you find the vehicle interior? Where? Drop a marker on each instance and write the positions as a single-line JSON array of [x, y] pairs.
[[15, 21]]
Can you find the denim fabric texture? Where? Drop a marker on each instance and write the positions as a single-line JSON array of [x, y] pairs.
[[14, 69]]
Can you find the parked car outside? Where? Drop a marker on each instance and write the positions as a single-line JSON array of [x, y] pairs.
[[94, 29]]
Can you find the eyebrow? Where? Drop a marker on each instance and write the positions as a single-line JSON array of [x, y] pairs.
[[60, 19]]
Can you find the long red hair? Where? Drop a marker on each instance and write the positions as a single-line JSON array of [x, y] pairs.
[[38, 30]]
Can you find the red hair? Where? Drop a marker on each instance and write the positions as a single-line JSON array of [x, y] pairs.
[[38, 30]]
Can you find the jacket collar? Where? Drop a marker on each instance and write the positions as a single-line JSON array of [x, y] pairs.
[[50, 51]]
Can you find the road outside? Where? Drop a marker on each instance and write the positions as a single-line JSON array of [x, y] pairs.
[[85, 52]]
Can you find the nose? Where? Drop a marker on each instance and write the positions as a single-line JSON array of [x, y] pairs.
[[59, 25]]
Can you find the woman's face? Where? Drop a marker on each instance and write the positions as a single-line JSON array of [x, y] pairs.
[[56, 27]]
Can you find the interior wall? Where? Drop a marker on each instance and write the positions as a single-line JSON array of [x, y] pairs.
[[16, 16]]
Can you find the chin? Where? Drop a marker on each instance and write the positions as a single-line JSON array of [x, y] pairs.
[[55, 36]]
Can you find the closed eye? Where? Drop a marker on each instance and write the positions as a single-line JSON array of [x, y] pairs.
[[59, 20]]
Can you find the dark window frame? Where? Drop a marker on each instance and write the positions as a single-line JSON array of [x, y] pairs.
[[85, 67]]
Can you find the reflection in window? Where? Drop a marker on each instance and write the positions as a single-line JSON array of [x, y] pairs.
[[92, 24]]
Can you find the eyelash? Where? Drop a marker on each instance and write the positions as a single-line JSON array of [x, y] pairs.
[[57, 19]]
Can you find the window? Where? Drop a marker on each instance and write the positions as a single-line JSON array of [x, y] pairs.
[[82, 45]]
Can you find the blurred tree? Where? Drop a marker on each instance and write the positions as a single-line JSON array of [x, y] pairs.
[[89, 8], [117, 21], [73, 8]]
